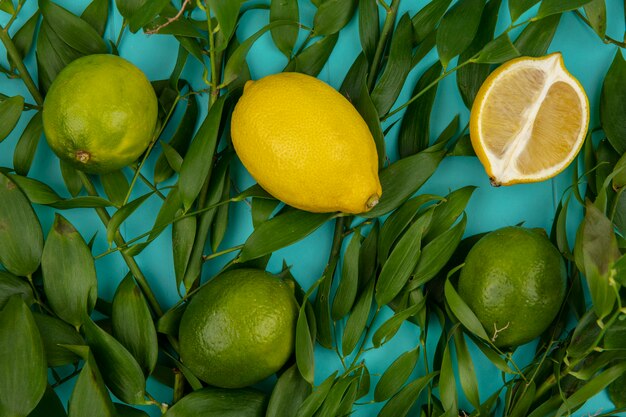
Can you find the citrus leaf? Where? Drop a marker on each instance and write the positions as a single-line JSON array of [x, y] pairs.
[[403, 178], [414, 133], [463, 147], [402, 260], [11, 285], [467, 372], [25, 36], [183, 236], [330, 407], [281, 231], [97, 14], [71, 179], [120, 371], [447, 384], [227, 13], [143, 14], [115, 186], [396, 375], [53, 54], [369, 27], [613, 104], [10, 112], [333, 15], [124, 410], [122, 214], [368, 256], [596, 13], [449, 132], [23, 377], [7, 6], [401, 403], [499, 50], [285, 37], [305, 358], [447, 213], [49, 406], [365, 106], [27, 145], [389, 328], [617, 392], [426, 20], [537, 36], [355, 79], [170, 321], [457, 29], [197, 165], [463, 313], [89, 397], [69, 273], [316, 398], [21, 238], [519, 7], [220, 222], [214, 402], [550, 7], [133, 325], [55, 332], [347, 402], [547, 408], [288, 394], [313, 58], [390, 83], [348, 285], [357, 320], [364, 383]]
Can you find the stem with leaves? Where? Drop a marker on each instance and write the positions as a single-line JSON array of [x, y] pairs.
[[15, 56], [390, 20]]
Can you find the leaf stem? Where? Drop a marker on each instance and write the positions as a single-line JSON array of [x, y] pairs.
[[119, 36], [390, 20], [15, 56], [179, 386], [13, 16], [149, 184], [607, 39], [162, 406], [66, 378], [366, 337], [206, 258]]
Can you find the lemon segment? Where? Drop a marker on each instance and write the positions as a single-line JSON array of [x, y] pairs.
[[529, 120]]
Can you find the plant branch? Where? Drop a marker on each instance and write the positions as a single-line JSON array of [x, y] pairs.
[[607, 39], [390, 20], [170, 20], [15, 56]]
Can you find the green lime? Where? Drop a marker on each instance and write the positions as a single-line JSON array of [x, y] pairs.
[[514, 281], [239, 328], [100, 113]]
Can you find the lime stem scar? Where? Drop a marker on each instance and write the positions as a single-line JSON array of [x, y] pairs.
[[372, 201], [83, 156]]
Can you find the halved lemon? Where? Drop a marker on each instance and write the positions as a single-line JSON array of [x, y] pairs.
[[529, 120]]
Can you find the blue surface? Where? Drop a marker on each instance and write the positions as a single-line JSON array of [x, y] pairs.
[[585, 55]]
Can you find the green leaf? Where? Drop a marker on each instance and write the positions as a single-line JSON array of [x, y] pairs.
[[313, 58], [550, 7], [71, 179], [23, 374], [316, 398], [25, 36], [447, 384], [53, 54], [11, 285], [133, 325], [115, 186], [305, 358], [524, 402], [27, 145], [97, 14], [220, 223], [120, 371], [396, 375], [288, 394], [330, 407], [365, 106], [537, 36], [457, 29], [285, 37], [467, 372], [401, 403], [355, 80], [69, 273], [463, 313], [170, 321], [7, 6], [596, 13], [349, 283], [122, 214], [613, 104], [55, 332], [357, 320], [617, 392], [426, 20], [388, 329], [368, 256], [403, 178], [447, 213], [414, 133], [397, 270], [183, 236], [281, 231], [199, 160], [142, 15], [463, 147], [126, 411], [21, 238], [89, 397], [389, 85], [10, 112], [519, 7], [333, 15], [369, 27], [215, 402], [49, 406], [227, 13], [499, 50]]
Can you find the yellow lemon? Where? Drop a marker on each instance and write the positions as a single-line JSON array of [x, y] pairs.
[[529, 120], [305, 144]]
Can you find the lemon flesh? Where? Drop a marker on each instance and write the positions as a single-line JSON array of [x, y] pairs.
[[529, 120], [100, 113], [306, 144]]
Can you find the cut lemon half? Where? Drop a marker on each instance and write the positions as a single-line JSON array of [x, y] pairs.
[[529, 120]]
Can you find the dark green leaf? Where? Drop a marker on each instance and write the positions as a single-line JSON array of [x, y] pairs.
[[348, 285], [199, 161], [10, 112], [357, 320], [115, 186], [550, 7], [214, 402], [49, 406], [124, 410], [53, 54], [173, 158], [71, 179], [289, 393], [11, 285], [447, 384], [27, 145], [55, 332], [313, 58], [262, 210], [120, 371], [183, 236], [463, 147], [368, 256], [449, 132], [333, 15], [133, 325], [281, 231], [316, 398], [170, 321], [304, 347], [519, 7], [401, 403], [397, 269], [122, 214], [365, 106], [457, 29], [617, 392], [69, 273], [355, 79], [22, 360], [467, 371], [426, 20], [388, 329], [613, 104], [596, 13], [447, 213], [145, 13], [537, 36], [97, 14], [220, 223], [414, 133], [390, 83], [403, 178], [284, 37], [24, 37], [524, 402], [226, 13], [499, 50], [396, 375], [21, 238], [463, 313], [7, 6], [369, 27]]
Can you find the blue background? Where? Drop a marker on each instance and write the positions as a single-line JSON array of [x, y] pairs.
[[585, 55]]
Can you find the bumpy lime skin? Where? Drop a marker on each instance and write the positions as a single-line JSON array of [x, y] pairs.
[[239, 328], [514, 281], [100, 113]]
